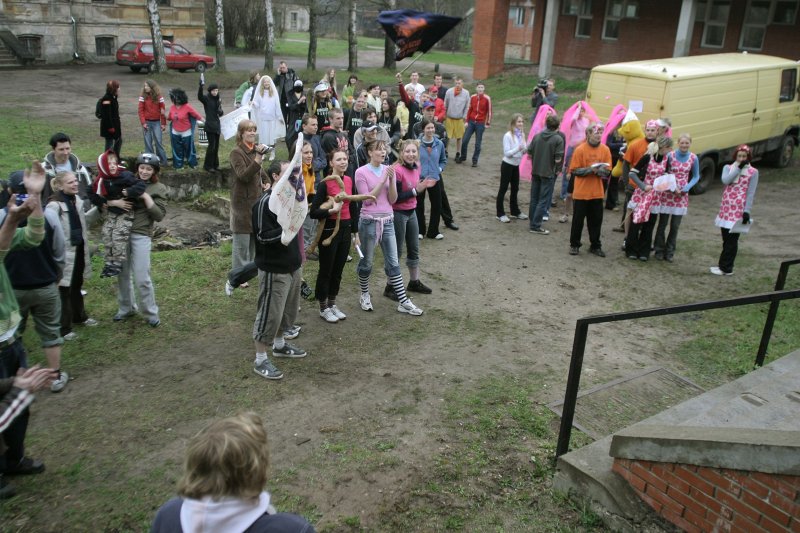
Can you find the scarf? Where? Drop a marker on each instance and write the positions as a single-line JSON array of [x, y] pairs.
[[75, 228], [308, 177]]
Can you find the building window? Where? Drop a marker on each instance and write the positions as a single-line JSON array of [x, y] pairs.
[[517, 14], [785, 12], [293, 24], [616, 11], [788, 85], [33, 44], [583, 10], [755, 26], [105, 45], [714, 15], [164, 3]]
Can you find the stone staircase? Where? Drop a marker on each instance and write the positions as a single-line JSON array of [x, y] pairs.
[[7, 58]]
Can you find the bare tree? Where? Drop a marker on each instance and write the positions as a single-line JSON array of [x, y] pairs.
[[269, 51], [220, 18], [159, 57], [352, 38], [317, 9]]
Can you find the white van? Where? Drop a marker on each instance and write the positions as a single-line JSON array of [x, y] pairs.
[[722, 100]]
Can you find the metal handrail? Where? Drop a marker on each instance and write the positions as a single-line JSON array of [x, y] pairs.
[[582, 330]]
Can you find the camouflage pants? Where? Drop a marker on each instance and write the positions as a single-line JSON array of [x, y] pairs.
[[116, 234]]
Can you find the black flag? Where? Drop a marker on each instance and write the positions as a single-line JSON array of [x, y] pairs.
[[414, 30]]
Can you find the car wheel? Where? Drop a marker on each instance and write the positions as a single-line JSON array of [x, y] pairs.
[[200, 67], [181, 70], [708, 170], [782, 156], [136, 69], [151, 68]]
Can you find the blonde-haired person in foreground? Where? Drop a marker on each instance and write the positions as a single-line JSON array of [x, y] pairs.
[[222, 487]]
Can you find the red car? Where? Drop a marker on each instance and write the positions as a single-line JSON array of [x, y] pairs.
[[138, 55]]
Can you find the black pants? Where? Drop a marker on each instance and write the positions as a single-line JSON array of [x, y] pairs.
[[639, 237], [447, 213], [332, 259], [592, 211], [509, 175], [243, 274], [730, 246], [435, 194], [212, 152], [612, 192], [665, 242], [12, 358], [72, 309]]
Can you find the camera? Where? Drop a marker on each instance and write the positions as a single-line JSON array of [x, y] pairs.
[[21, 198], [542, 84], [263, 150]]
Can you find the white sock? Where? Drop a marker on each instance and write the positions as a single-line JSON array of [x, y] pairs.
[[278, 343], [261, 357]]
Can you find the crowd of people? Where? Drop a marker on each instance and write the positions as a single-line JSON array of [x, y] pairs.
[[362, 166]]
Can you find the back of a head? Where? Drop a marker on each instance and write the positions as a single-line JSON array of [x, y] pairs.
[[552, 122], [227, 458]]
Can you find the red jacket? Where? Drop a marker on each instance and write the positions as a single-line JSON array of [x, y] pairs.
[[480, 109], [149, 110], [439, 113]]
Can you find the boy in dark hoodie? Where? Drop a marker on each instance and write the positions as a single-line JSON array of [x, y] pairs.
[[115, 183]]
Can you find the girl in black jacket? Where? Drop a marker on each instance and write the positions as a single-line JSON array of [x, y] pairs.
[[213, 109], [108, 113]]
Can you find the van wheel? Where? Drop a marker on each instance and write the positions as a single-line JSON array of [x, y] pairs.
[[708, 170], [782, 156]]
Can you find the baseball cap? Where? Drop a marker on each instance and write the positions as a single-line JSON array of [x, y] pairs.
[[368, 125]]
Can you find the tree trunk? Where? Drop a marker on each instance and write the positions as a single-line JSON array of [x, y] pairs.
[[311, 62], [159, 57], [220, 19], [352, 38], [388, 45], [269, 53]]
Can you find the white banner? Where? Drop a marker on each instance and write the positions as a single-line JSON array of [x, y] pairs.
[[230, 122], [288, 199]]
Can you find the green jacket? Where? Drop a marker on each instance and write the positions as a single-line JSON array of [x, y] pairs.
[[24, 238]]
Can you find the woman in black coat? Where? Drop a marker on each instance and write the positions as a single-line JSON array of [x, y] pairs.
[[213, 109], [108, 113]]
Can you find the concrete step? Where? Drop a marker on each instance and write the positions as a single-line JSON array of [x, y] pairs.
[[750, 422]]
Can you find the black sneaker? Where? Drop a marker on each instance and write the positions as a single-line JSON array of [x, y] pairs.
[[573, 250], [474, 164], [289, 351], [25, 467], [458, 157], [7, 490], [388, 291], [416, 285], [267, 370], [597, 251]]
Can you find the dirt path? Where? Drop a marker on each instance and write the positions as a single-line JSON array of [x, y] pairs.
[[504, 304]]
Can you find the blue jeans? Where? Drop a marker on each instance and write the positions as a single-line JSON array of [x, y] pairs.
[[477, 128], [407, 231], [153, 142], [369, 239], [541, 192], [183, 149]]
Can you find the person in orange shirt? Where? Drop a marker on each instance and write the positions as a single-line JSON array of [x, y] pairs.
[[590, 163]]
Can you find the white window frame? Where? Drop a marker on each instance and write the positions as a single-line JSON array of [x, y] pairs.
[[518, 16], [610, 17], [755, 26], [707, 23], [584, 13]]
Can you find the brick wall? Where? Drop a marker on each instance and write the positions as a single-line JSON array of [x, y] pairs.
[[698, 498]]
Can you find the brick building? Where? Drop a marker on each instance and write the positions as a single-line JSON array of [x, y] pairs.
[[54, 30], [585, 33]]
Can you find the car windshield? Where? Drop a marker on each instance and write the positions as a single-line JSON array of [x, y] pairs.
[[129, 46]]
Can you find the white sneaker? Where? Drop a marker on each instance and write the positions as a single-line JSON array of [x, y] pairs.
[[328, 315], [365, 301], [439, 237], [59, 384], [545, 218], [338, 312], [71, 336], [421, 236], [504, 219], [716, 271], [410, 308], [521, 216], [229, 288], [91, 322]]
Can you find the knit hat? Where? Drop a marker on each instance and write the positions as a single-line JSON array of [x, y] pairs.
[[212, 87], [298, 83], [321, 86]]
